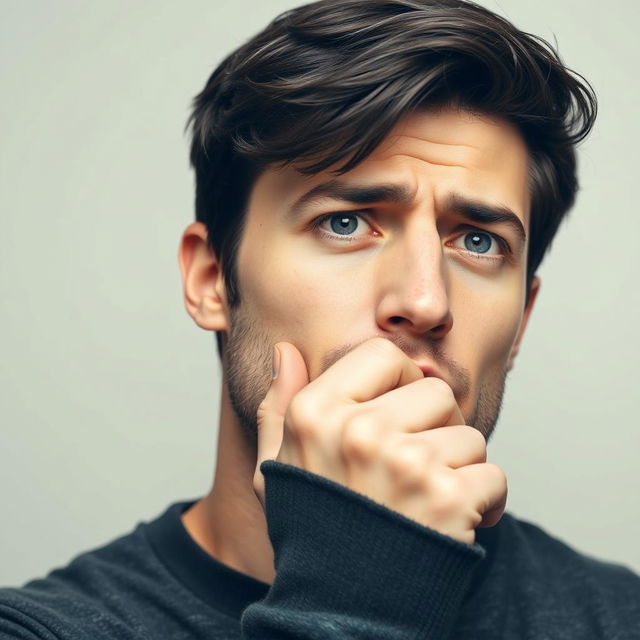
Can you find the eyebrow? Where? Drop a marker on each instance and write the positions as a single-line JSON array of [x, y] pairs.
[[471, 209], [482, 213], [353, 194]]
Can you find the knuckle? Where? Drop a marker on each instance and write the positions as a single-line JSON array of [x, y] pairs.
[[476, 439], [444, 391], [406, 466], [499, 476], [447, 495], [263, 410], [302, 416], [426, 452], [266, 406], [359, 441]]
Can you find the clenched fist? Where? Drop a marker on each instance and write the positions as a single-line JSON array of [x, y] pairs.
[[374, 424]]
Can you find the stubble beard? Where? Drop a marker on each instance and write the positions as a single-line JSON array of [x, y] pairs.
[[248, 364], [488, 406]]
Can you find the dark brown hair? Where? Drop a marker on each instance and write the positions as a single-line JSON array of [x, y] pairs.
[[326, 82]]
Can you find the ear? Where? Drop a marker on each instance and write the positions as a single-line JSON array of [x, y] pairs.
[[533, 293], [202, 280]]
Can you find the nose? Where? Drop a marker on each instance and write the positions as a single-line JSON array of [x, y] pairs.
[[413, 291]]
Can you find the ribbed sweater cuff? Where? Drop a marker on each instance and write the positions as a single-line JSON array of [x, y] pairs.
[[339, 551]]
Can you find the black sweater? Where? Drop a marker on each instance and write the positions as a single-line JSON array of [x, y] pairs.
[[346, 568]]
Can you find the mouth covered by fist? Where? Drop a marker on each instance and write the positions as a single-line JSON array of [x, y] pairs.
[[373, 423]]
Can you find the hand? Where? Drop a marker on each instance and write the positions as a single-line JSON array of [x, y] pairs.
[[374, 424]]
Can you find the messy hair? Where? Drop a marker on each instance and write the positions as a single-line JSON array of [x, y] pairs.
[[323, 84]]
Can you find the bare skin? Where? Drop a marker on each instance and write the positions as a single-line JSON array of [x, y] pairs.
[[379, 434], [403, 287]]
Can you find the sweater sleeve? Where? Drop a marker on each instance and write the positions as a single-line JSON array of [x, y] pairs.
[[348, 567]]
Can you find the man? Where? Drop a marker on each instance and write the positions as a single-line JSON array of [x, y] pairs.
[[377, 184]]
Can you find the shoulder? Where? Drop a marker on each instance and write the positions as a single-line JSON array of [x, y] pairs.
[[96, 592], [565, 571], [553, 554], [532, 584]]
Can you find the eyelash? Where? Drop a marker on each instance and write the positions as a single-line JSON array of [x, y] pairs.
[[504, 245], [315, 225]]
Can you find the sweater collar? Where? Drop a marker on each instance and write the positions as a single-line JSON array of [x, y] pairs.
[[218, 585]]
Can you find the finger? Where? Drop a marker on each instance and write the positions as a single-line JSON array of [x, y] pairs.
[[488, 486], [370, 369], [427, 403], [290, 375], [455, 447]]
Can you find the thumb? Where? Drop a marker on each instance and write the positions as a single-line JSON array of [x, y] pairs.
[[289, 376]]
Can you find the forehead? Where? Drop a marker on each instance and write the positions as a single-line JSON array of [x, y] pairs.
[[432, 155]]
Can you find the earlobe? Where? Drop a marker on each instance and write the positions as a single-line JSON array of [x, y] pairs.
[[202, 280], [533, 293]]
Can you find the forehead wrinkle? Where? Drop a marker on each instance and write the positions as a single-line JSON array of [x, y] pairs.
[[448, 154], [437, 163], [431, 141], [435, 153]]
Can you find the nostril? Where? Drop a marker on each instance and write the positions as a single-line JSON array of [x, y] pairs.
[[396, 320], [441, 330]]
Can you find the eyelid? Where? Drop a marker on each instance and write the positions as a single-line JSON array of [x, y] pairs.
[[503, 250], [504, 244], [316, 223]]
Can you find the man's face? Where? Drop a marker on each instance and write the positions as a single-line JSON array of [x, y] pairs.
[[422, 243]]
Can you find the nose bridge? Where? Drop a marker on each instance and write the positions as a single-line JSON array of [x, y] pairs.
[[421, 281], [416, 289]]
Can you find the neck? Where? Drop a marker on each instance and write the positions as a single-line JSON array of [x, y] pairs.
[[229, 522]]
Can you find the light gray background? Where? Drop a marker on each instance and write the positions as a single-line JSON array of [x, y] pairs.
[[108, 391]]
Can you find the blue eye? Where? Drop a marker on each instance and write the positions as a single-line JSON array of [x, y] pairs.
[[343, 227], [342, 224], [481, 244], [478, 242]]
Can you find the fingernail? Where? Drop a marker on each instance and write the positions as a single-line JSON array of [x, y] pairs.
[[275, 363]]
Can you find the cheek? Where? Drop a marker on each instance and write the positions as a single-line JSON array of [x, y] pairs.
[[497, 335], [295, 297], [486, 324], [316, 304], [501, 336]]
